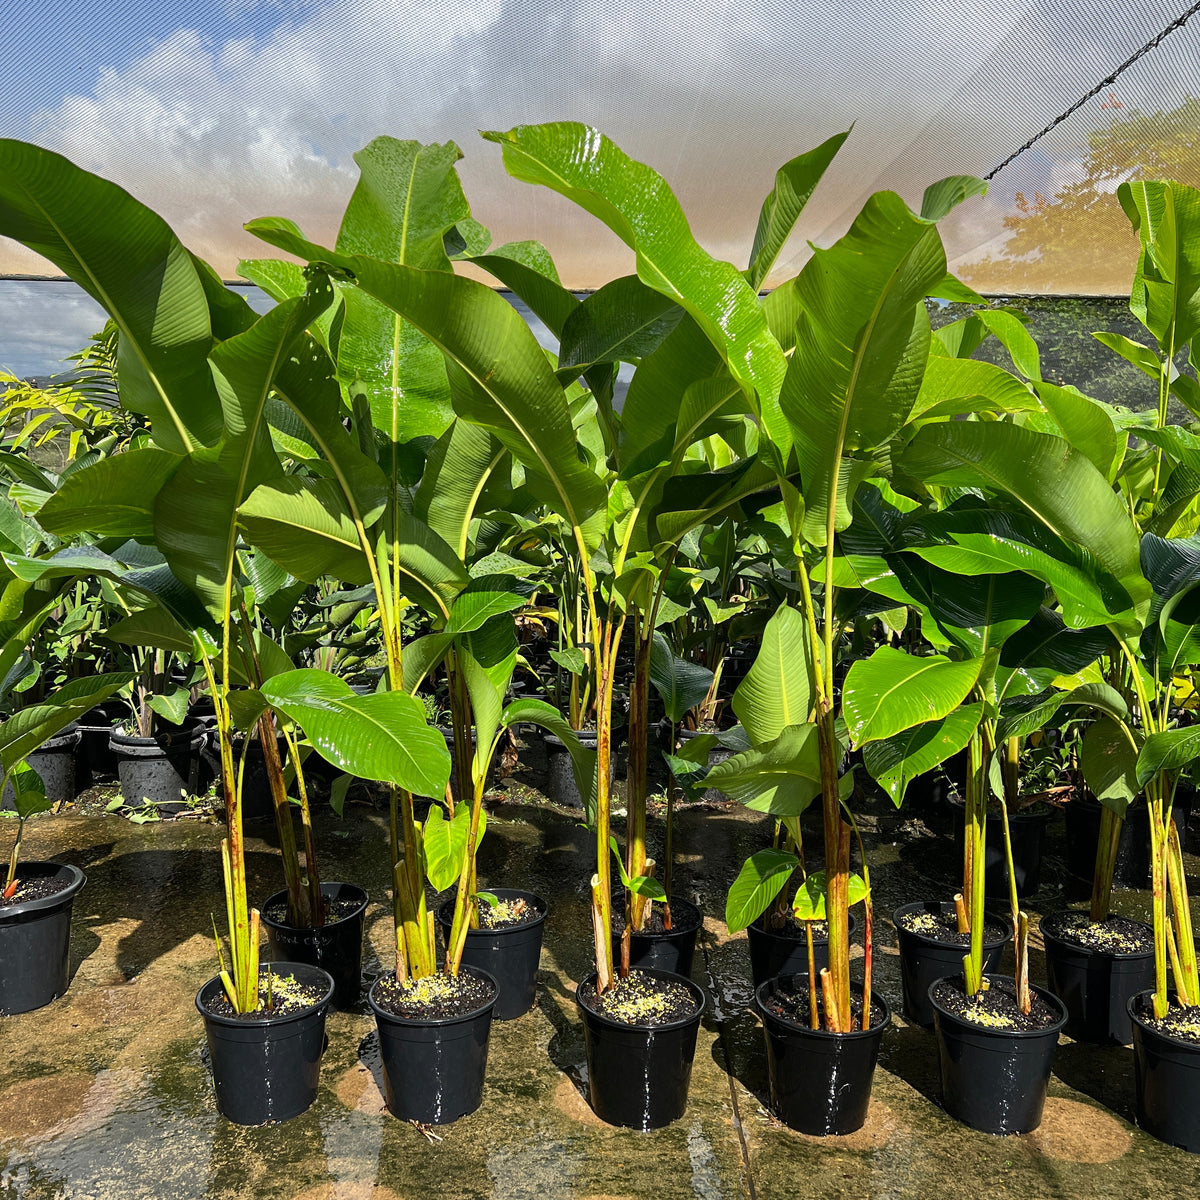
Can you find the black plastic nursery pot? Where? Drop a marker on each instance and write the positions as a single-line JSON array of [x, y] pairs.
[[510, 955], [54, 761], [924, 959], [1131, 869], [95, 756], [785, 953], [1096, 985], [560, 773], [638, 1075], [35, 940], [257, 801], [1027, 830], [1166, 1072], [266, 1068], [820, 1081], [335, 947], [671, 950], [716, 756], [162, 769], [433, 1070], [995, 1080]]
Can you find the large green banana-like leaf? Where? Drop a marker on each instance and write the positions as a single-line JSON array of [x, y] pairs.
[[487, 657], [485, 597], [861, 348], [952, 386], [1166, 288], [892, 691], [1108, 762], [128, 260], [1172, 750], [195, 514], [781, 777], [456, 472], [980, 613], [1057, 486], [636, 203], [624, 321], [501, 379], [1182, 446], [28, 728], [383, 736], [795, 183], [112, 498], [1086, 425], [285, 281], [949, 193], [1047, 642], [1183, 387], [894, 762], [547, 717], [680, 683], [689, 501], [306, 527], [407, 198], [778, 690]]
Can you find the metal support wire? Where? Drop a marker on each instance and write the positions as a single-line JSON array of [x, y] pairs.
[[1152, 44]]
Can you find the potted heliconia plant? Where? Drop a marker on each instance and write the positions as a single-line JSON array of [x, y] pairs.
[[36, 897], [1160, 496]]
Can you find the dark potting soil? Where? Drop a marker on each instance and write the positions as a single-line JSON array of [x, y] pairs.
[[508, 914], [287, 995], [335, 910], [943, 927], [996, 1008], [789, 927], [435, 997], [1182, 1022], [680, 922], [35, 889], [1114, 935], [790, 1001], [641, 999]]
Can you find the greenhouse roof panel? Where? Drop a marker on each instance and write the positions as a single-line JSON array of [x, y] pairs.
[[217, 114]]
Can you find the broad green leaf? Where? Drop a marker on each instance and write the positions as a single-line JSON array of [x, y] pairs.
[[456, 472], [1009, 330], [809, 904], [636, 203], [680, 683], [485, 596], [29, 792], [421, 655], [28, 728], [151, 627], [782, 777], [952, 386], [499, 375], [487, 658], [383, 736], [1183, 387], [795, 183], [624, 321], [172, 705], [894, 762], [1056, 485], [547, 717], [1172, 750], [306, 527], [981, 613], [1086, 425], [762, 877], [861, 348], [572, 659], [947, 194], [892, 691], [135, 268], [113, 498], [778, 689], [1108, 761], [445, 844]]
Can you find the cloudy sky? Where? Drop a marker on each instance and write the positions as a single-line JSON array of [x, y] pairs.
[[215, 113]]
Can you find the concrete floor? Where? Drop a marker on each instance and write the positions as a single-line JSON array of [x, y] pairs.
[[105, 1093]]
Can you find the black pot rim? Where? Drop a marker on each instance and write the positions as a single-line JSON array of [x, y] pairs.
[[926, 940], [584, 735], [445, 913], [681, 1023], [45, 903], [1093, 951], [666, 933], [332, 883], [852, 926], [1143, 1023], [1017, 1034], [850, 1035], [383, 1014], [279, 968], [180, 737]]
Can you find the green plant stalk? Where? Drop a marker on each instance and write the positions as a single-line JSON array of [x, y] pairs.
[[315, 904], [868, 922], [460, 721], [1106, 863], [299, 906], [637, 908], [606, 640], [976, 838], [465, 896], [1187, 985], [1158, 883], [1020, 922]]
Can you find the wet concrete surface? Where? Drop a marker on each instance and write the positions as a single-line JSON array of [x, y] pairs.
[[106, 1093]]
